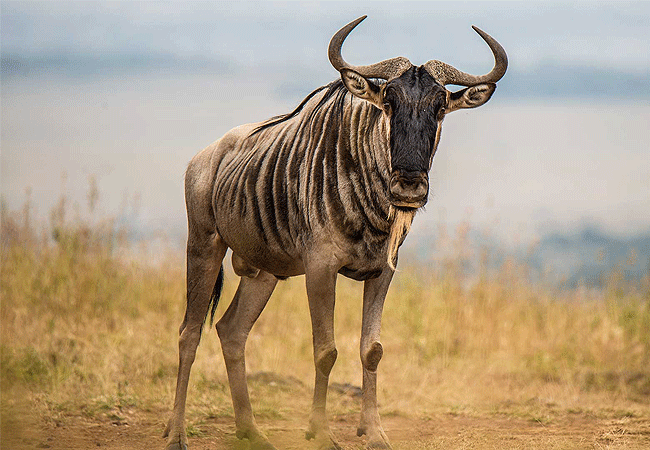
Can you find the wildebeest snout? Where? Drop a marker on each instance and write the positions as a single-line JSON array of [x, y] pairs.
[[409, 189]]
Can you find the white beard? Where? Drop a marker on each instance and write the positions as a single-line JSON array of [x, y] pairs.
[[401, 225]]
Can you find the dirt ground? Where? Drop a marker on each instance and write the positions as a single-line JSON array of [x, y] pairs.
[[137, 429]]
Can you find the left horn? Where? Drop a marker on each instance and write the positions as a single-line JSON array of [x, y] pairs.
[[387, 70], [446, 74]]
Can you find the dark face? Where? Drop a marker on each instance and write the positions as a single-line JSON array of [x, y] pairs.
[[415, 105]]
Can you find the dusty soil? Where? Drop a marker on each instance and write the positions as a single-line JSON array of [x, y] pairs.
[[139, 429]]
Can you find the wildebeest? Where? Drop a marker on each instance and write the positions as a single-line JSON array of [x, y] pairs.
[[329, 188]]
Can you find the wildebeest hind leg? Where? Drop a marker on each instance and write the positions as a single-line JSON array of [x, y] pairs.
[[205, 253], [233, 328]]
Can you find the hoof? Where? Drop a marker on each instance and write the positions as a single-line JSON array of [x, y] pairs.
[[262, 445], [376, 437], [320, 432], [324, 443], [176, 446], [328, 444], [256, 438]]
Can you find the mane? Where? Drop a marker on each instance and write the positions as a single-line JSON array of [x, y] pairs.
[[334, 98]]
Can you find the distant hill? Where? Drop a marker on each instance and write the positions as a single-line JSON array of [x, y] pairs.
[[588, 255], [551, 80], [106, 65], [555, 80]]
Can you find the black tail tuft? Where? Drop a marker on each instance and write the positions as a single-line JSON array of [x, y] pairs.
[[216, 294]]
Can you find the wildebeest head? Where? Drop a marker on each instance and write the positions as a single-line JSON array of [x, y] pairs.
[[415, 101]]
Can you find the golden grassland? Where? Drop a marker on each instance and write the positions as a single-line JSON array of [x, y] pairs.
[[89, 332]]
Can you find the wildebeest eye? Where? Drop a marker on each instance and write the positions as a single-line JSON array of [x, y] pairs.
[[441, 114], [386, 106]]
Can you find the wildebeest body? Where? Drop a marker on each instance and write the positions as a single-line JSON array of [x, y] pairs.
[[317, 181], [329, 188]]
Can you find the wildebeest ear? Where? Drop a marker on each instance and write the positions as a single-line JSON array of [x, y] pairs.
[[361, 87], [471, 97]]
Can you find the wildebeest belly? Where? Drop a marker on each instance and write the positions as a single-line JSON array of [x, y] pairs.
[[360, 274], [278, 258]]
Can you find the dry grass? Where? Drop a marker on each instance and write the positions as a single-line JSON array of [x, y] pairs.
[[89, 333]]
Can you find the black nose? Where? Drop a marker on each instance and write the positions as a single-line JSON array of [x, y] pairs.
[[409, 189]]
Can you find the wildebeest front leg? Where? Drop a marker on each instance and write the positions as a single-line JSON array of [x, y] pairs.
[[371, 350], [233, 328], [321, 285]]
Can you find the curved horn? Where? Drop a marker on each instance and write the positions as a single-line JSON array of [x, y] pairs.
[[387, 70], [446, 74]]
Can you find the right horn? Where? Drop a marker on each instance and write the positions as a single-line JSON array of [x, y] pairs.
[[387, 70], [446, 74]]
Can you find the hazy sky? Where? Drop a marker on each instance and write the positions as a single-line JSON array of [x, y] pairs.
[[612, 35]]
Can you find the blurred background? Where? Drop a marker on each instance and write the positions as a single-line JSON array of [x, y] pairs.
[[105, 103]]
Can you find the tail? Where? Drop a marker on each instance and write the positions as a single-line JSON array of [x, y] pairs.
[[216, 294], [212, 306]]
